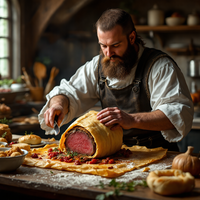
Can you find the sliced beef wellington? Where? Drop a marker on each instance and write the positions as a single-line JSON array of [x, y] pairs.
[[88, 136], [81, 141]]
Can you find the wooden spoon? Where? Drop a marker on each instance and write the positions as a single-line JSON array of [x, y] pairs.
[[26, 78], [39, 70], [51, 83]]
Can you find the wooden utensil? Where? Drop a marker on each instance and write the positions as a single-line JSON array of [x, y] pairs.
[[51, 83], [39, 70], [26, 78]]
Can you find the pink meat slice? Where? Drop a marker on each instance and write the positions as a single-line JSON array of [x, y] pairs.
[[79, 141]]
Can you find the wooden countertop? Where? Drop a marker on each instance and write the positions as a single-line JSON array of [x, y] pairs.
[[55, 184]]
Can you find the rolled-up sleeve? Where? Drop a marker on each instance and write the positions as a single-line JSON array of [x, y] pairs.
[[81, 89], [170, 94]]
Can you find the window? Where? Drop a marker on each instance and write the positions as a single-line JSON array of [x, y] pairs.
[[5, 39]]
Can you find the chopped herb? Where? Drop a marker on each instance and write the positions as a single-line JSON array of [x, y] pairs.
[[101, 184], [5, 121], [118, 187], [51, 172], [100, 197], [26, 133], [72, 153], [4, 135], [56, 149]]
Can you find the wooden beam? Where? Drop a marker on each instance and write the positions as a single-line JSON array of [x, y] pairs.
[[40, 20], [68, 10]]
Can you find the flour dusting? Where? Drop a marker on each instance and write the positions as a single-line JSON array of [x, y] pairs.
[[64, 179]]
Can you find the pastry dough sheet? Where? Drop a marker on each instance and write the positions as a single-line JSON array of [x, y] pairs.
[[141, 156]]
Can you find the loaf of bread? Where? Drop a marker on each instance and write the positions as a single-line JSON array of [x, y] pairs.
[[170, 182], [30, 139]]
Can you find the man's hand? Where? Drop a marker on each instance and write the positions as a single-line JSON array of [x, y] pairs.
[[115, 117], [58, 105], [155, 120]]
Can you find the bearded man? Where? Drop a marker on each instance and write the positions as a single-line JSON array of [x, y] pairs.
[[140, 89]]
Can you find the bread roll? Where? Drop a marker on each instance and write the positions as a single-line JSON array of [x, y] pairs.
[[22, 146], [4, 128], [170, 182], [30, 139]]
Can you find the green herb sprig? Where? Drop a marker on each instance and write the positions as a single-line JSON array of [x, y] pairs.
[[26, 133], [118, 187], [72, 153], [4, 135], [5, 121]]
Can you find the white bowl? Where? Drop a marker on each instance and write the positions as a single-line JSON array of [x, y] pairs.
[[17, 86], [174, 21], [11, 163], [3, 143]]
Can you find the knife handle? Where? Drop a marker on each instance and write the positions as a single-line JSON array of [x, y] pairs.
[[56, 118]]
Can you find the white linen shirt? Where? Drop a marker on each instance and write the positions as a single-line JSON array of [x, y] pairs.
[[168, 93]]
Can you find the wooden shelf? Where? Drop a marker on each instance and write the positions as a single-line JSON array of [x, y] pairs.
[[165, 28], [178, 50], [186, 50]]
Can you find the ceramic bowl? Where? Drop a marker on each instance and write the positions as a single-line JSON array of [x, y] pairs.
[[174, 21], [11, 163], [3, 143], [17, 86]]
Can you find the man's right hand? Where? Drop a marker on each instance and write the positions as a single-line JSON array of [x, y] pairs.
[[58, 105]]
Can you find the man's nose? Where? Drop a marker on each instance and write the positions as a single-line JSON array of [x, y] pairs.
[[109, 52]]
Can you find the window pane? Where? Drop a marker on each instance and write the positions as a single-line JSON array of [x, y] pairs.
[[3, 8], [4, 68], [3, 27], [3, 47]]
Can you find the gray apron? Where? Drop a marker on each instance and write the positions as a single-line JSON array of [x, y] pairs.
[[135, 98]]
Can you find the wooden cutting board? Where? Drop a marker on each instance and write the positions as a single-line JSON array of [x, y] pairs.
[[82, 185]]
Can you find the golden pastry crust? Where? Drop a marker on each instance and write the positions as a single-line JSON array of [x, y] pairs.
[[5, 110], [30, 139], [3, 140], [12, 150], [22, 146], [107, 141], [15, 154], [170, 182], [3, 154]]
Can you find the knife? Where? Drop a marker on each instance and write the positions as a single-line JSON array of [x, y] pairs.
[[56, 127]]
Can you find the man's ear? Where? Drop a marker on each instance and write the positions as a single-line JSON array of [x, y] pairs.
[[132, 37]]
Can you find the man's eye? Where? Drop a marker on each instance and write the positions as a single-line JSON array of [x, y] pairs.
[[116, 45], [103, 46]]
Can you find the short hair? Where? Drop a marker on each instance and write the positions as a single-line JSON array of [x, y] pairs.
[[112, 17]]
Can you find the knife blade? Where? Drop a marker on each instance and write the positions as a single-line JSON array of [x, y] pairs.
[[56, 127]]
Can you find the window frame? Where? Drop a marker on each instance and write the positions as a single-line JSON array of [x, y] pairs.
[[9, 38]]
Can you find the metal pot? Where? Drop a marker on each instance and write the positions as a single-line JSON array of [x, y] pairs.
[[194, 68]]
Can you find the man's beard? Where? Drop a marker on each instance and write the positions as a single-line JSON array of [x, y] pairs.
[[122, 66]]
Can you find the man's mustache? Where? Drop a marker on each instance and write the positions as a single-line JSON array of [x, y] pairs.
[[107, 58]]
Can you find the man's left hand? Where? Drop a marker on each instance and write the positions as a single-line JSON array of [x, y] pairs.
[[115, 117]]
